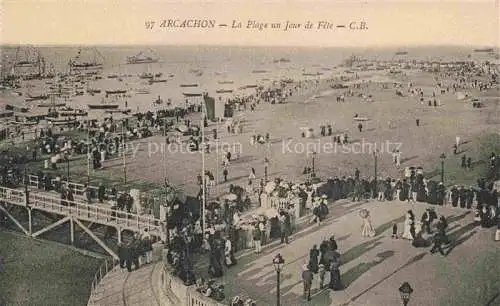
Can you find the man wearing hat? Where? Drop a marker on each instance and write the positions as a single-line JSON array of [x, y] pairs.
[[307, 277], [321, 272], [426, 221], [333, 243]]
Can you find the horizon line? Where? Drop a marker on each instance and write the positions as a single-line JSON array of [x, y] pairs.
[[497, 47]]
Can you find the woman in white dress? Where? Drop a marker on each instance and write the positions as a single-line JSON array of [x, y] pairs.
[[227, 253], [309, 200], [418, 227], [367, 228], [407, 228]]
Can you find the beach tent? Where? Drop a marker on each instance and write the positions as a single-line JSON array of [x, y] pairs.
[[461, 96], [182, 128], [209, 107]]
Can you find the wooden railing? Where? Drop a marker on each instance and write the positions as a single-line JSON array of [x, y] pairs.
[[79, 189], [107, 266], [13, 196], [84, 211]]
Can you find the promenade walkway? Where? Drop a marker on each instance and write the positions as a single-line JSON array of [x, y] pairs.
[[372, 270], [121, 288]]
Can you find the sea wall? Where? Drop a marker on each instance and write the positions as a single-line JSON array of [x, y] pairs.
[[173, 292]]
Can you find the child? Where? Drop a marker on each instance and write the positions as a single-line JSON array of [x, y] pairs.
[[321, 272], [394, 231]]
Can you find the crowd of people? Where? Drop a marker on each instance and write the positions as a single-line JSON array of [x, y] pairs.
[[324, 259], [136, 252]]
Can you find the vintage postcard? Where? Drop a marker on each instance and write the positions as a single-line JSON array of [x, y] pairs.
[[285, 152]]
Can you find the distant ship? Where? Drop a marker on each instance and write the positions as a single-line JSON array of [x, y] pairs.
[[156, 80], [116, 91], [188, 94], [282, 60], [401, 53], [142, 91], [36, 97], [484, 50], [51, 104], [142, 58], [28, 64], [93, 91], [86, 60], [103, 105], [71, 112], [221, 91]]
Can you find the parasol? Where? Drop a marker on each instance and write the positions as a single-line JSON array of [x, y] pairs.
[[271, 213], [230, 197], [182, 128], [270, 187], [364, 213]]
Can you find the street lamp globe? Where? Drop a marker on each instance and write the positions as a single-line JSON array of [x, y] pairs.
[[278, 263], [405, 291]]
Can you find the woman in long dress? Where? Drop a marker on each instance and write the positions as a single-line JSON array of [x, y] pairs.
[[228, 251], [313, 259], [309, 200], [408, 228], [335, 281]]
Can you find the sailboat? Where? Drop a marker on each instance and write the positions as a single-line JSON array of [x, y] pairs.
[[52, 102], [28, 63], [86, 60]]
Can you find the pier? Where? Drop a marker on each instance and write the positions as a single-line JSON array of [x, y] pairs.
[[76, 213]]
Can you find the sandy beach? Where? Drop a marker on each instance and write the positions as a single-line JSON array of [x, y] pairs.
[[287, 153]]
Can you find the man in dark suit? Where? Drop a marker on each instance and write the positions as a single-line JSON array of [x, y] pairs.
[[333, 244], [426, 221], [307, 278], [122, 255], [128, 256]]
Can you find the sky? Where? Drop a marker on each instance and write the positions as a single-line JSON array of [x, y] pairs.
[[122, 22]]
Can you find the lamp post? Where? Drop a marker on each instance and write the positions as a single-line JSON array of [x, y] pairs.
[[67, 168], [26, 189], [278, 263], [313, 160], [266, 165], [170, 198], [375, 164], [124, 135], [405, 291], [442, 157]]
